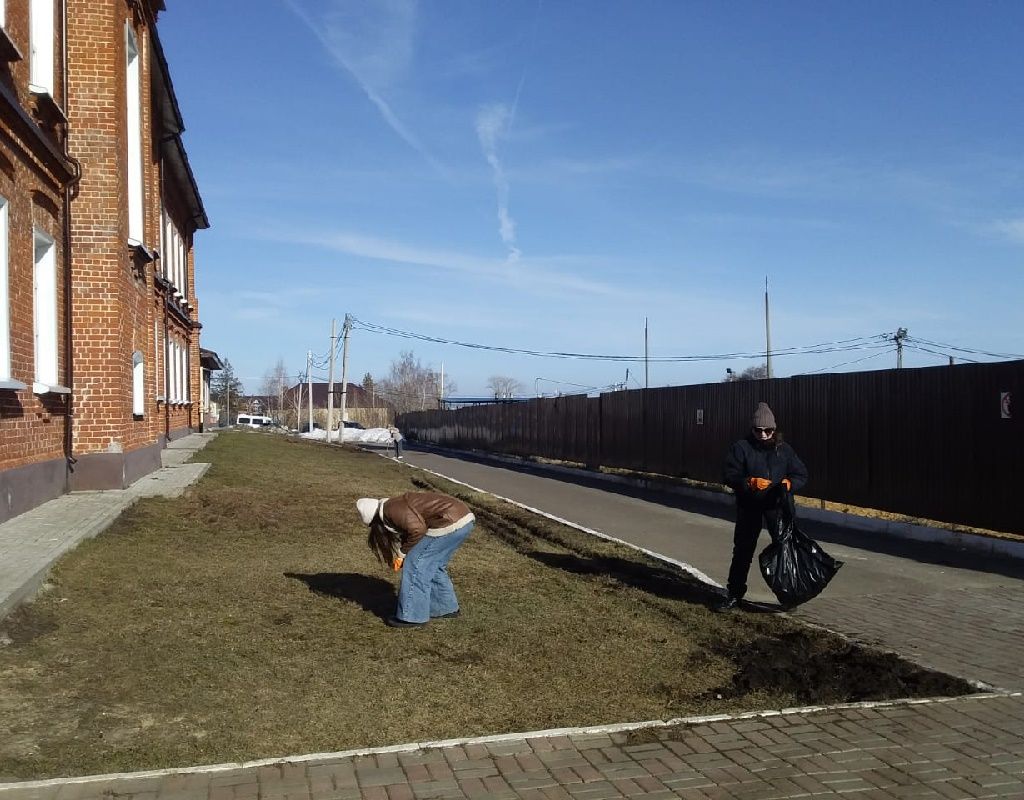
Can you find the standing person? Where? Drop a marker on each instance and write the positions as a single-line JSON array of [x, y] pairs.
[[761, 469], [418, 533], [396, 440]]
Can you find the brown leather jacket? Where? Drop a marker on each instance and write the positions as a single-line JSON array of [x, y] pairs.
[[418, 514]]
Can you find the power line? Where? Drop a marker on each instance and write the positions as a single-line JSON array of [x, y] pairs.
[[942, 355], [970, 350], [857, 343], [883, 351]]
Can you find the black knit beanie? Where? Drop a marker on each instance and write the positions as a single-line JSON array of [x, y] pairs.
[[763, 417]]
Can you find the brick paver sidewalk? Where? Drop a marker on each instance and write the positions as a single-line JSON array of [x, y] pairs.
[[965, 748]]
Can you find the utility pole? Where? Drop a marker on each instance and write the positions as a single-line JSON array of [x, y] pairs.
[[898, 337], [344, 370], [330, 390], [647, 373], [309, 386], [440, 397], [229, 403], [767, 332]]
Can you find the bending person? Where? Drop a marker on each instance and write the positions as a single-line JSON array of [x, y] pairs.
[[418, 533]]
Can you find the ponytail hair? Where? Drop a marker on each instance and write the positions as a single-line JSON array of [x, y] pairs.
[[382, 542]]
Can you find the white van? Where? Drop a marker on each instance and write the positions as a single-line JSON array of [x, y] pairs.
[[253, 421]]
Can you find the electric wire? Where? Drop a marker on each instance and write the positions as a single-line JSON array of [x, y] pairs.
[[856, 343], [971, 350], [882, 352]]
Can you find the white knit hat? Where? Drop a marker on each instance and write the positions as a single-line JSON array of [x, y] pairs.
[[367, 507]]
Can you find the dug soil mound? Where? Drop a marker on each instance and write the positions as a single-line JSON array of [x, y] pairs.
[[817, 669]]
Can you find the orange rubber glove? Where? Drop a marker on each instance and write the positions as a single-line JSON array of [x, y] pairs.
[[397, 563], [758, 484], [788, 484]]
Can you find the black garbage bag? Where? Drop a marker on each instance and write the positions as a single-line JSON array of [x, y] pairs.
[[794, 566]]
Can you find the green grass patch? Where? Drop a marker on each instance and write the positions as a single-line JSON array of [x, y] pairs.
[[245, 620]]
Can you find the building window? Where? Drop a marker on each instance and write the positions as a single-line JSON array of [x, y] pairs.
[[138, 385], [5, 298], [134, 119], [158, 378], [45, 312], [41, 13], [3, 14]]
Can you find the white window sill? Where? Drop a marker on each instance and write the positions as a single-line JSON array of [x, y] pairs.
[[161, 399], [37, 89], [47, 388], [10, 383]]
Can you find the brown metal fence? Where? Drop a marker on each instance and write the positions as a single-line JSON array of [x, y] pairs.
[[932, 442]]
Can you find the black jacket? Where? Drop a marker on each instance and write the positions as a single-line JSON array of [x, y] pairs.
[[747, 459]]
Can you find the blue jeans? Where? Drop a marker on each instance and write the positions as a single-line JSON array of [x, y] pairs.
[[426, 590]]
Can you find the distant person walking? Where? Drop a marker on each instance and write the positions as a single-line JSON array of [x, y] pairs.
[[418, 533], [396, 440], [760, 469]]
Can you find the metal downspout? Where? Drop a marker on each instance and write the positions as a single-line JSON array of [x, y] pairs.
[[70, 193]]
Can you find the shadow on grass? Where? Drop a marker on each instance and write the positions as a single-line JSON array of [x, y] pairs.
[[375, 595], [664, 583]]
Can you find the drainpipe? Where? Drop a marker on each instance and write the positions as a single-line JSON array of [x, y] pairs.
[[70, 193]]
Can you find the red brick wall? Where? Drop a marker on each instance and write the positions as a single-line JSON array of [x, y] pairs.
[[114, 308], [32, 426], [118, 305]]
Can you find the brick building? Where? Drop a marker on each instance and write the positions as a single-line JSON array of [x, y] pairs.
[[98, 207]]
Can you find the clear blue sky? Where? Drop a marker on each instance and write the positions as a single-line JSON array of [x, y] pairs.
[[545, 175]]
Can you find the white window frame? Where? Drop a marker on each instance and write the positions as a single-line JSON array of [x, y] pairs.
[[133, 73], [5, 300], [6, 376], [44, 312], [138, 385], [41, 14], [3, 14], [158, 378]]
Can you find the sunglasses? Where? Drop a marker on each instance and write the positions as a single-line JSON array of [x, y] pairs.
[[768, 431]]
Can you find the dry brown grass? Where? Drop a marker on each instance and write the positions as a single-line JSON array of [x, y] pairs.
[[245, 621]]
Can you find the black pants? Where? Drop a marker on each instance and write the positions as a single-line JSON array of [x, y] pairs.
[[744, 541]]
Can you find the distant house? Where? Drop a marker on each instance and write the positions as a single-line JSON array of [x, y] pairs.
[[361, 406], [209, 362]]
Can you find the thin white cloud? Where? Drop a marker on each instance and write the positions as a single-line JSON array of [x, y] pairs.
[[373, 42], [492, 122], [1012, 229], [535, 276]]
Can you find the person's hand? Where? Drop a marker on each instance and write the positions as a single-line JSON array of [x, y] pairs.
[[396, 565], [788, 484], [758, 484]]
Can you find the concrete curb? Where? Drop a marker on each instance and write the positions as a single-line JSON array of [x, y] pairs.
[[973, 542], [410, 747]]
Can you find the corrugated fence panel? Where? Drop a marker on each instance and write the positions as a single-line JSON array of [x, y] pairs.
[[931, 442]]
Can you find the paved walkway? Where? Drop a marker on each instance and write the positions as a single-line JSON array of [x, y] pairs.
[[967, 621], [32, 542]]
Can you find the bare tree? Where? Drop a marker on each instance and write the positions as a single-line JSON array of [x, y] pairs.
[[755, 373], [504, 386], [410, 386], [275, 381]]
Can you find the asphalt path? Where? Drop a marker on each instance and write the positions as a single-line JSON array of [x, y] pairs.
[[699, 533]]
